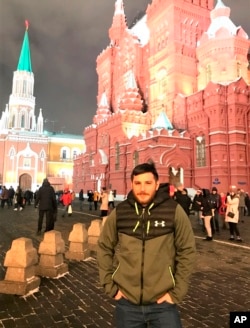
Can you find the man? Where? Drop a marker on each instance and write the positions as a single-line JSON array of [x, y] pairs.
[[46, 201], [156, 254]]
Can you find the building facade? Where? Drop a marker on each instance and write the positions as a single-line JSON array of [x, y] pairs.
[[174, 89], [28, 152]]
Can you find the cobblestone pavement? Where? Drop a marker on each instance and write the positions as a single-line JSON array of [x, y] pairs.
[[219, 284]]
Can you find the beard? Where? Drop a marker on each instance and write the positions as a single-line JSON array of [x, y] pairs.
[[144, 198]]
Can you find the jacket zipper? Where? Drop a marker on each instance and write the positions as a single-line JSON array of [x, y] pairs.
[[143, 251]]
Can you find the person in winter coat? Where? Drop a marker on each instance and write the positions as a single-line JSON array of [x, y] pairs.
[[156, 253], [104, 202], [81, 199], [18, 199], [222, 209], [196, 206], [96, 199], [66, 200], [47, 204], [207, 214], [181, 196], [215, 201], [232, 214], [5, 197]]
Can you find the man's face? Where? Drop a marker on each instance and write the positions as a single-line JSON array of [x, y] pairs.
[[144, 187]]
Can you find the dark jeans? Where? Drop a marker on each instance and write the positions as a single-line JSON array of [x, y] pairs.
[[215, 221], [233, 228], [49, 220], [155, 315]]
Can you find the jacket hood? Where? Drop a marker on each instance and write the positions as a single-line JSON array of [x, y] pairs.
[[161, 195], [46, 183]]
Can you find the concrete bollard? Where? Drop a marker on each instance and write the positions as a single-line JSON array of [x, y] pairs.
[[94, 233], [51, 250], [78, 243], [21, 261]]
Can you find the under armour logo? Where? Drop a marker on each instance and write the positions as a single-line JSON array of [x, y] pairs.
[[162, 223]]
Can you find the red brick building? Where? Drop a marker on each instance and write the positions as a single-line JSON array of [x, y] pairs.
[[174, 88]]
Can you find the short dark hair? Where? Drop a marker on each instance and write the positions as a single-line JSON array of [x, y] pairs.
[[145, 168]]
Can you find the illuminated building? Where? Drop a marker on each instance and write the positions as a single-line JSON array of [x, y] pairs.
[[28, 152], [174, 88]]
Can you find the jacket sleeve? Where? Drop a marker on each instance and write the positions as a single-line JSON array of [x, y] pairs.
[[105, 254], [185, 254]]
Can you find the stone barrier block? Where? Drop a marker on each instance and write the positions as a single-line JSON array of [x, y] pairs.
[[51, 260], [94, 232], [78, 243], [22, 254], [21, 261], [79, 234], [52, 243], [51, 252]]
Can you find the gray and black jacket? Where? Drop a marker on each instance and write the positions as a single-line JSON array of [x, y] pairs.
[[154, 247]]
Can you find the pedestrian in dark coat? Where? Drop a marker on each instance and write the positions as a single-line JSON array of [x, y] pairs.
[[46, 201]]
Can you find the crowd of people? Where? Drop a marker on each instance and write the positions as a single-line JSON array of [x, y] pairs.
[[16, 199], [215, 211]]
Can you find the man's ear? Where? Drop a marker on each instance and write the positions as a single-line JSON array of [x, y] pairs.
[[157, 185]]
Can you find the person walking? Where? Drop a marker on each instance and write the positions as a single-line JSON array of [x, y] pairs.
[[181, 196], [196, 206], [104, 202], [207, 213], [96, 197], [47, 205], [215, 201], [156, 254], [111, 199], [66, 200], [18, 199], [242, 204], [81, 199], [5, 197], [90, 195], [232, 214]]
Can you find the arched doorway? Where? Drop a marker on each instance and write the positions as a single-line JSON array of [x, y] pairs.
[[25, 181]]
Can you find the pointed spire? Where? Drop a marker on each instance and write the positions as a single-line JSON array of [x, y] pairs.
[[119, 24], [219, 4], [119, 7], [163, 122], [24, 63]]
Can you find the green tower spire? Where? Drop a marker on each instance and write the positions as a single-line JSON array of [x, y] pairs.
[[24, 63]]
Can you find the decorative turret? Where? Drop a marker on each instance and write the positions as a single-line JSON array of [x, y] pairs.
[[222, 50], [22, 101], [119, 24], [103, 111], [131, 98]]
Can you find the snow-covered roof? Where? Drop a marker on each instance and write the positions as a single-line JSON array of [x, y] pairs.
[[141, 30]]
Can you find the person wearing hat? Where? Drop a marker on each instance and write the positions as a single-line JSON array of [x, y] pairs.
[[232, 214]]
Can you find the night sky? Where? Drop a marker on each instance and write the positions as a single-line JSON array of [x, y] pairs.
[[65, 37]]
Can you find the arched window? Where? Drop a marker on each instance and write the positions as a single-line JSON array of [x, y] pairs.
[[22, 121], [117, 156], [200, 152], [135, 158], [65, 154]]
